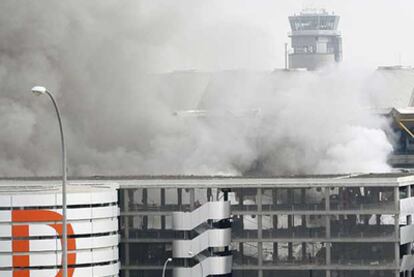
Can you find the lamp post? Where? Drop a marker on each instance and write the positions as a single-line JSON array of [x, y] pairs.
[[165, 266], [38, 90]]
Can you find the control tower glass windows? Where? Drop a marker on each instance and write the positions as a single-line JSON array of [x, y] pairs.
[[313, 22]]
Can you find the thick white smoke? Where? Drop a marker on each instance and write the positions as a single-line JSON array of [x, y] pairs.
[[119, 118]]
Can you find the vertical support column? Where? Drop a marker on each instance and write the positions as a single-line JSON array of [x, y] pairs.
[[290, 221], [145, 202], [209, 195], [225, 194], [192, 199], [275, 221], [303, 225], [260, 230], [397, 228], [225, 198], [187, 233], [328, 230], [378, 219], [241, 196], [180, 199], [409, 221], [409, 245], [162, 208], [126, 230], [241, 200], [241, 246]]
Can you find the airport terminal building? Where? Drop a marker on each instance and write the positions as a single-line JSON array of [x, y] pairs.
[[304, 226]]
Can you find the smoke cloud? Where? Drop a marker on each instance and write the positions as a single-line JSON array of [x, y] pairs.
[[102, 59]]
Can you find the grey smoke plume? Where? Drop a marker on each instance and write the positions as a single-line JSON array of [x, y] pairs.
[[100, 58]]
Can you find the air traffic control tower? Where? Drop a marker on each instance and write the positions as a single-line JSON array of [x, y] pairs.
[[316, 42]]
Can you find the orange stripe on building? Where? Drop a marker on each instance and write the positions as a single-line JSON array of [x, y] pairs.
[[21, 261], [21, 273], [20, 231], [35, 216]]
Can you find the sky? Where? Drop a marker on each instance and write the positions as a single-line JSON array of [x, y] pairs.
[[219, 35]]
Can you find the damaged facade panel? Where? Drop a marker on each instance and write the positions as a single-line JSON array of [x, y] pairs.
[[331, 226]]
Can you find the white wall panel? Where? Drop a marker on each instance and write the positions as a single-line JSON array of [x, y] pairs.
[[37, 245], [102, 212], [5, 216], [97, 242], [76, 199], [5, 246], [44, 273], [104, 254], [5, 230], [77, 214], [37, 199], [104, 225], [406, 234], [105, 270], [5, 201], [104, 197], [4, 273], [44, 258], [41, 229], [5, 260], [407, 262], [407, 206]]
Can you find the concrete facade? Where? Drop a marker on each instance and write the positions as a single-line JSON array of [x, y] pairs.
[[310, 226], [330, 226]]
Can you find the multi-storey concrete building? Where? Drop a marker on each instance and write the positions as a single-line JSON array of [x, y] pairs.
[[31, 229], [310, 226], [316, 42]]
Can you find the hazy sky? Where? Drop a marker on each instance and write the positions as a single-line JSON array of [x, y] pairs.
[[218, 34]]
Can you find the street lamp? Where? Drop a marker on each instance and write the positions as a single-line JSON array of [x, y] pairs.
[[165, 266], [38, 90]]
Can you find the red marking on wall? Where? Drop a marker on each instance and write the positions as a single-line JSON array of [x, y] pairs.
[[19, 244]]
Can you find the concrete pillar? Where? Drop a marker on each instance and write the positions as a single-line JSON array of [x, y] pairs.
[[241, 196], [397, 228], [192, 199], [409, 222], [225, 194], [187, 233], [275, 252], [274, 222], [225, 198], [209, 195], [180, 199], [126, 230], [328, 231], [241, 247], [145, 202], [162, 207], [259, 230]]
